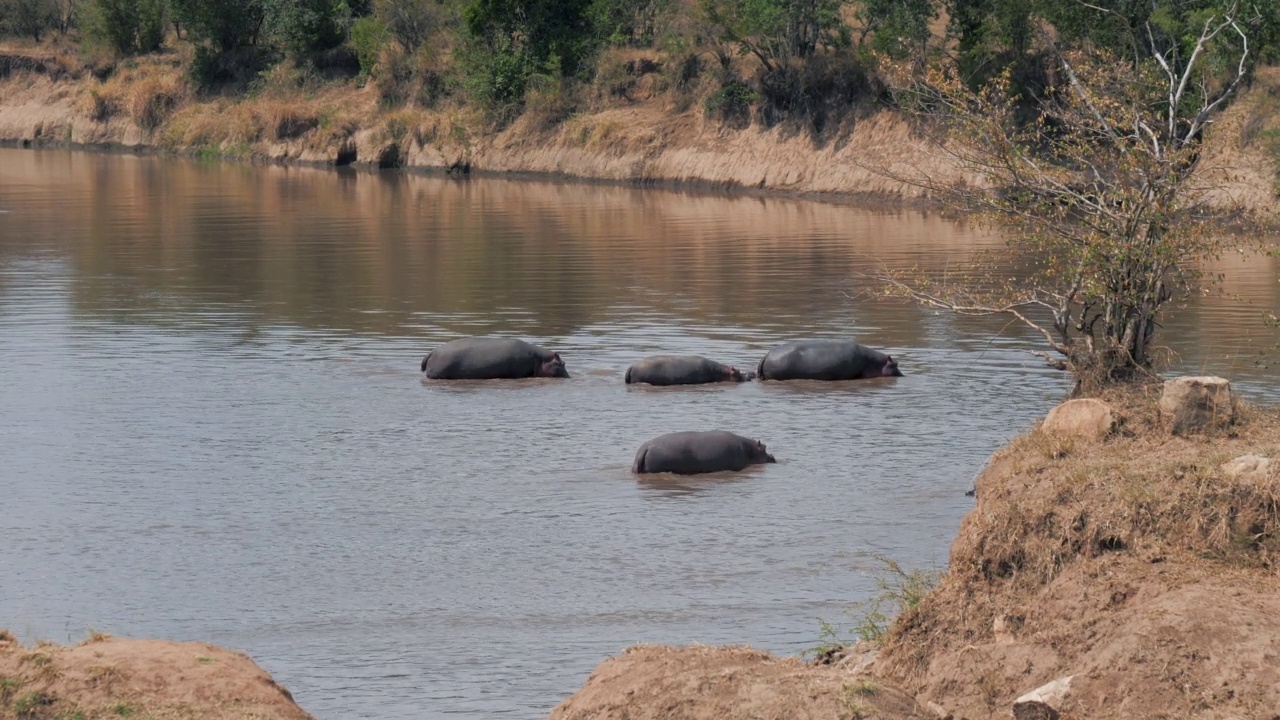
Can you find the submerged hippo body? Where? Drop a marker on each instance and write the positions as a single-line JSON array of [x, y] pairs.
[[682, 370], [825, 360], [488, 358], [689, 453]]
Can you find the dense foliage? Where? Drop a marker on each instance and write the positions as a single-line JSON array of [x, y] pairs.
[[769, 60]]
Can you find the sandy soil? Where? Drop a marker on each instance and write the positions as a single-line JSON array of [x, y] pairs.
[[106, 677]]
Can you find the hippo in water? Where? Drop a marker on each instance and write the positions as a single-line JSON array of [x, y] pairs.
[[825, 360], [682, 370], [689, 453], [486, 358]]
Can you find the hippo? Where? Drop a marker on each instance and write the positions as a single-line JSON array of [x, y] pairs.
[[825, 360], [690, 453], [487, 358], [682, 370]]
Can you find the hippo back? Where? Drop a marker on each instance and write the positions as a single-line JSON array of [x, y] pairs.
[[693, 452], [676, 370], [820, 360], [483, 358]]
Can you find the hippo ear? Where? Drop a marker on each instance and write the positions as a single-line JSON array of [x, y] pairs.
[[556, 356]]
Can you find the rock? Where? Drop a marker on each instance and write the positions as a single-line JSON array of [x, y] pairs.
[[1249, 467], [938, 710], [1190, 404], [859, 658], [1044, 702], [1086, 418]]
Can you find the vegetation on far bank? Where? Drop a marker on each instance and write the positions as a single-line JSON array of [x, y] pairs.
[[804, 62], [1083, 122]]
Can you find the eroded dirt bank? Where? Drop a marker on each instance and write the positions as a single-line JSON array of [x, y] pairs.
[[1140, 570], [640, 136], [106, 677]]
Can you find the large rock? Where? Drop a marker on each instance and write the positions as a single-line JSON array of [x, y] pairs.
[[1086, 418], [1191, 404], [1248, 467], [1043, 703]]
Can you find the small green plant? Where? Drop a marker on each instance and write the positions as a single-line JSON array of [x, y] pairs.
[[899, 592], [39, 659], [123, 710], [852, 708], [30, 706], [8, 686], [732, 104], [204, 660], [862, 687]]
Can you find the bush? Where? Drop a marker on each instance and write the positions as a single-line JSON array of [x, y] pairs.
[[732, 103], [412, 22], [212, 67], [630, 22], [368, 37], [225, 24], [812, 93], [497, 79], [28, 17], [302, 27], [129, 27]]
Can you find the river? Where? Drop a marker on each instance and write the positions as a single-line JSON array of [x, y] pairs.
[[213, 426]]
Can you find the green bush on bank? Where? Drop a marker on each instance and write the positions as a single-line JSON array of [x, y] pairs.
[[127, 27], [28, 18], [805, 62]]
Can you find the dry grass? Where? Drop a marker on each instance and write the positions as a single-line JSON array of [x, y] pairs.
[[1046, 505], [285, 120], [148, 93]]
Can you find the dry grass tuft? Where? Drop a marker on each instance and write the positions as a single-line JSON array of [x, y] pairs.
[[154, 98], [285, 120]]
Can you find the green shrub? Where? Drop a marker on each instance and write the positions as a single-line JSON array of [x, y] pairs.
[[412, 22], [224, 24], [368, 38], [302, 27], [129, 27], [28, 17], [732, 103]]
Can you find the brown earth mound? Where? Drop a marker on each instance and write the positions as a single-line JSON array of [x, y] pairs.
[[107, 677], [724, 683], [1137, 566]]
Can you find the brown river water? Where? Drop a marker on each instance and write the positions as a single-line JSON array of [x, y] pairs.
[[213, 426]]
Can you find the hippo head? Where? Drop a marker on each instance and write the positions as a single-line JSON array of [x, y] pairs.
[[737, 375], [890, 367], [552, 367], [758, 454]]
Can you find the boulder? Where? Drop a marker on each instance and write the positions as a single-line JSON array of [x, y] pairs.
[[1249, 467], [1086, 418], [1043, 703], [1191, 404]]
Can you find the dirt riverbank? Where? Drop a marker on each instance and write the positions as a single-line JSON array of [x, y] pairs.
[[106, 677], [48, 98], [1140, 571]]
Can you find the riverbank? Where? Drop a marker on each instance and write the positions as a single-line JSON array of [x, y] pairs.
[[1122, 577], [641, 135], [107, 677]]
